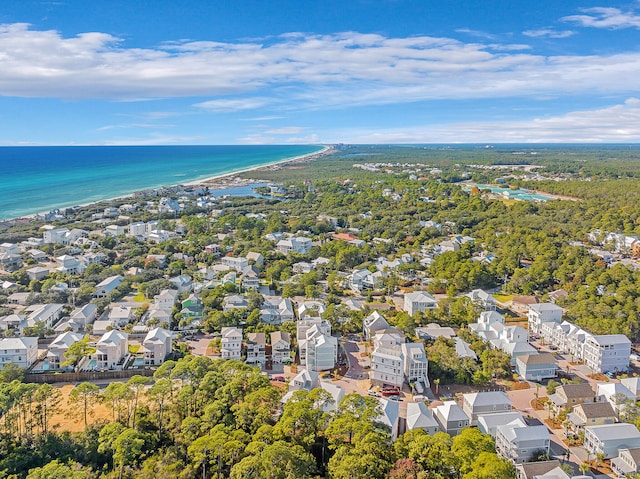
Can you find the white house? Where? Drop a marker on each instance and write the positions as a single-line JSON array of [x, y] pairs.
[[166, 299], [488, 423], [321, 350], [302, 327], [390, 416], [59, 347], [121, 315], [280, 347], [69, 265], [387, 366], [420, 417], [111, 349], [490, 402], [418, 301], [20, 351], [256, 348], [542, 313], [231, 343], [607, 353], [157, 346], [608, 439], [276, 310], [415, 364], [483, 299], [296, 244], [48, 314], [451, 418], [536, 367], [518, 442], [373, 323], [235, 263], [627, 462], [103, 288]]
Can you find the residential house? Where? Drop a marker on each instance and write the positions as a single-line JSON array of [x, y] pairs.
[[121, 315], [59, 347], [182, 283], [518, 442], [610, 438], [607, 353], [539, 469], [420, 417], [192, 308], [280, 347], [255, 259], [627, 462], [415, 364], [231, 343], [111, 350], [235, 263], [451, 418], [489, 402], [569, 395], [632, 384], [311, 309], [166, 299], [105, 287], [433, 331], [482, 299], [38, 273], [10, 261], [536, 367], [296, 244], [234, 301], [69, 265], [250, 281], [53, 235], [542, 313], [157, 345], [418, 301], [488, 423], [276, 310], [256, 348], [302, 326], [390, 416], [387, 366], [22, 352], [321, 350], [591, 414], [373, 323], [615, 394], [13, 322], [47, 314]]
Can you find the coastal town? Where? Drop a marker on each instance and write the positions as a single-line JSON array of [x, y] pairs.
[[112, 293]]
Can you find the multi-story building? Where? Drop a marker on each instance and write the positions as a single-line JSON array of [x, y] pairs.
[[608, 439], [256, 348], [415, 364], [518, 442], [607, 353], [542, 313], [321, 350], [231, 343], [280, 347], [157, 346], [111, 350], [20, 351], [387, 366], [419, 301], [491, 402]]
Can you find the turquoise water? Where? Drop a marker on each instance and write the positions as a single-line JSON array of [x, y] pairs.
[[92, 364], [37, 179], [520, 194], [138, 362]]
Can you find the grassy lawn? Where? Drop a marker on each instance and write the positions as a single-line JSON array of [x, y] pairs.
[[503, 298], [139, 298]]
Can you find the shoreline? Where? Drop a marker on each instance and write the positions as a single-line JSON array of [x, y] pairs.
[[212, 182]]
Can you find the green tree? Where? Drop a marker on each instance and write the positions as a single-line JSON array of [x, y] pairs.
[[85, 394]]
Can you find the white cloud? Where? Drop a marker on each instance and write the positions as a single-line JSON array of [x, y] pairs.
[[548, 33], [233, 104], [298, 71], [152, 141], [617, 123], [605, 17]]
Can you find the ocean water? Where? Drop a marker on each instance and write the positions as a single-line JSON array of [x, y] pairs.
[[37, 179]]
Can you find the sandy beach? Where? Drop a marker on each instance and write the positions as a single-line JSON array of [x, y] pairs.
[[231, 180]]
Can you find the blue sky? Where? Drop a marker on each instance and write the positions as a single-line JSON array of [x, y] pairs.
[[140, 72]]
